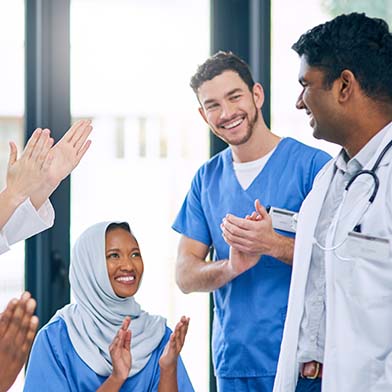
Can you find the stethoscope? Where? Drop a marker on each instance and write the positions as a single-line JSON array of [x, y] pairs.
[[376, 184]]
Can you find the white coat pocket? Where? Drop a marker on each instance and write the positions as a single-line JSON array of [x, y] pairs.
[[371, 273]]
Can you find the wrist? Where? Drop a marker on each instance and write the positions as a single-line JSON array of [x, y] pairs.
[[13, 198], [231, 271], [276, 246], [116, 380], [283, 248], [168, 368]]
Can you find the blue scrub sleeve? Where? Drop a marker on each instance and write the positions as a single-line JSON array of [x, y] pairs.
[[44, 371], [191, 220]]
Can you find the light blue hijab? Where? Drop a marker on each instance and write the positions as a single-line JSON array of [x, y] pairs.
[[98, 313]]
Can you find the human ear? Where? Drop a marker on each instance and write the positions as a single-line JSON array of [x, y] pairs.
[[258, 95], [347, 82]]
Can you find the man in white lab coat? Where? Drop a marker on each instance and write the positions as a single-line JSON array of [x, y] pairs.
[[338, 331], [25, 210]]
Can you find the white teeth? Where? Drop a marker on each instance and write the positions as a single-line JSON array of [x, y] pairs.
[[233, 124], [125, 278]]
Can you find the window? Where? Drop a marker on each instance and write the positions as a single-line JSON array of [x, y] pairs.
[[131, 62], [290, 19]]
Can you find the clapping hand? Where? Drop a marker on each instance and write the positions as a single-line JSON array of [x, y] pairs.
[[67, 153], [120, 352], [174, 345], [27, 174], [18, 326]]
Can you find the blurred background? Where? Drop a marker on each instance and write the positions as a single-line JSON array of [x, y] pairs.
[[126, 64]]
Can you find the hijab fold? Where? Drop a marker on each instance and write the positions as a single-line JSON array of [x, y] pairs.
[[98, 313]]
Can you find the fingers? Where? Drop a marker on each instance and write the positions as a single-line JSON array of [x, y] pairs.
[[82, 134], [48, 160], [18, 325], [6, 316], [240, 244], [78, 133], [241, 223], [21, 318], [117, 341], [83, 150], [30, 145], [71, 132], [42, 146], [231, 229], [179, 334], [127, 340], [32, 330], [126, 322], [127, 333], [13, 154], [261, 210]]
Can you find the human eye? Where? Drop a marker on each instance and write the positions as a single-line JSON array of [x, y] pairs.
[[212, 106], [235, 97], [113, 255], [135, 254]]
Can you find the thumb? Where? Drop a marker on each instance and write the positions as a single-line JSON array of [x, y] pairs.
[[260, 209], [13, 154]]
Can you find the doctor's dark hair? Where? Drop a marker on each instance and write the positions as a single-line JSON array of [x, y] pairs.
[[120, 225], [219, 63], [354, 42]]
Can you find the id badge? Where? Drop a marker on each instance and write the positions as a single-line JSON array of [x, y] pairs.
[[284, 220], [367, 246]]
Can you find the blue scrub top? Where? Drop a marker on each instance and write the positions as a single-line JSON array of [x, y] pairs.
[[250, 310], [55, 366]]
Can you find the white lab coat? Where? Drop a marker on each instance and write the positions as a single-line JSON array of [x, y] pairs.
[[358, 345], [25, 222]]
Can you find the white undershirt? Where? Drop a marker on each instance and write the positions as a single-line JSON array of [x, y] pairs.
[[246, 172]]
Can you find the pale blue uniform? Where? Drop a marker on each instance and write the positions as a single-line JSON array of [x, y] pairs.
[[55, 366], [250, 310]]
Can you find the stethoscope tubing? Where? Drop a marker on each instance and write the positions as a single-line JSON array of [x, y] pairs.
[[372, 173]]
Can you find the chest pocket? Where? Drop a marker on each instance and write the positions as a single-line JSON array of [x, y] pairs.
[[367, 261]]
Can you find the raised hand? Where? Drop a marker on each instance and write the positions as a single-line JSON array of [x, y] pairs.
[[120, 351], [28, 173], [253, 235], [174, 346], [67, 153], [18, 326]]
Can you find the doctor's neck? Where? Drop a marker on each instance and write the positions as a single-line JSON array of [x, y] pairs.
[[365, 127]]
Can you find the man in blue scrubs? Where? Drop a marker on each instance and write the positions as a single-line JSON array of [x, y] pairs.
[[250, 280]]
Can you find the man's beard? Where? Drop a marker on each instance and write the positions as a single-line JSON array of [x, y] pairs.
[[249, 131]]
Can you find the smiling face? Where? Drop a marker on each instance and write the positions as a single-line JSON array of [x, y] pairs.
[[229, 108], [320, 103], [124, 262]]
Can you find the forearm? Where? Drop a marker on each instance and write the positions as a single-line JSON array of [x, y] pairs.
[[194, 274], [283, 249], [168, 380], [39, 197], [9, 202], [112, 384]]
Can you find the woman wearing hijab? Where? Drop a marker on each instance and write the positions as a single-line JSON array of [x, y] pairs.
[[105, 342]]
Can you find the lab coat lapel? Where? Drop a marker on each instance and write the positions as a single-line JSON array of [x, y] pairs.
[[287, 373]]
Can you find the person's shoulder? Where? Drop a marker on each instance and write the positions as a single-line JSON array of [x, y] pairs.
[[55, 331], [212, 168], [300, 146], [216, 161]]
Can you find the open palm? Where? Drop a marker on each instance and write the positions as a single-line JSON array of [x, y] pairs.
[[67, 153]]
